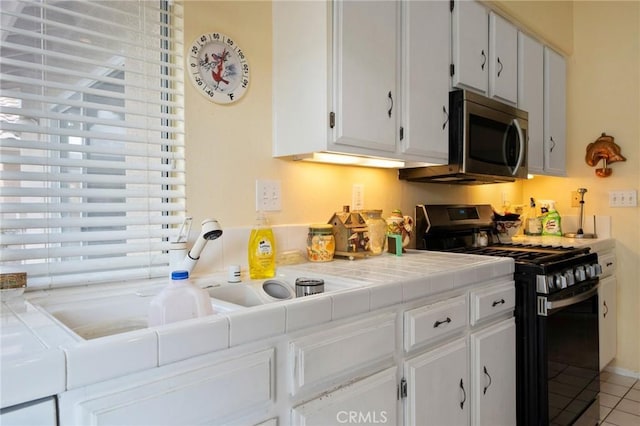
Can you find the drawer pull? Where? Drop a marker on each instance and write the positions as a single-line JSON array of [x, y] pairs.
[[439, 323], [498, 302], [464, 395], [489, 384], [609, 264], [606, 309]]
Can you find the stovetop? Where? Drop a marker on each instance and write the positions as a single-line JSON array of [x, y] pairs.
[[525, 254]]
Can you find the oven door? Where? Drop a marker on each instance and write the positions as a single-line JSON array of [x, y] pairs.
[[569, 366]]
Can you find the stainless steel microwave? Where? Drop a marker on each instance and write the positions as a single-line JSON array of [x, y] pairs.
[[487, 143]]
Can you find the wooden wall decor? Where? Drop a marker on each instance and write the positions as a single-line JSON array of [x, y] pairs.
[[605, 149]]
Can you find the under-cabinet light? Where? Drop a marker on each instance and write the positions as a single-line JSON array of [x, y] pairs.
[[353, 160]]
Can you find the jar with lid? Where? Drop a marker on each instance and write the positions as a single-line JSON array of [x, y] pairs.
[[377, 230], [321, 244]]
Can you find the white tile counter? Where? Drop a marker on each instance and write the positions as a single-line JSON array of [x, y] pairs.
[[42, 357]]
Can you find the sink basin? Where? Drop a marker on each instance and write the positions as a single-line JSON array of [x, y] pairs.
[[109, 314]]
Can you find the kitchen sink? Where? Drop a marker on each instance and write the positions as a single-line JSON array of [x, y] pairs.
[[94, 315]]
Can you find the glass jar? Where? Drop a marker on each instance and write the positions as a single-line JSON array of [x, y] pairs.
[[377, 230], [321, 244]]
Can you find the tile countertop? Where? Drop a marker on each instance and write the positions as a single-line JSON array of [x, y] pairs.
[[41, 357]]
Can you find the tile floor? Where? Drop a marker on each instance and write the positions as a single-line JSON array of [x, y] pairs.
[[619, 400]]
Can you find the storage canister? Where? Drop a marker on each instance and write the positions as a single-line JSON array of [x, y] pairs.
[[321, 244], [377, 230]]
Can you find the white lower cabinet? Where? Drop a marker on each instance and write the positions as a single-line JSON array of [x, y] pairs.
[[235, 391], [372, 400], [437, 383], [329, 358], [494, 375], [37, 413], [607, 320]]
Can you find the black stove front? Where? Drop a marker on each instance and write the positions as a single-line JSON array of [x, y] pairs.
[[557, 353]]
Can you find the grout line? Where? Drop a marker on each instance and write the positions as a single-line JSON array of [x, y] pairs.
[[620, 400]]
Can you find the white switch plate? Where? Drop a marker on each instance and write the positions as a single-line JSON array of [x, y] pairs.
[[626, 198], [357, 196], [268, 195]]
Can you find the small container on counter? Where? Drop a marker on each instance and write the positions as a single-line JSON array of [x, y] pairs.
[[321, 244], [309, 286]]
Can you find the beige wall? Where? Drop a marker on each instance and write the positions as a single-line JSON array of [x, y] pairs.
[[229, 147]]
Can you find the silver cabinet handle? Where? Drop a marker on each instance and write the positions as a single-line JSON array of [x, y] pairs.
[[501, 67], [484, 59], [391, 107]]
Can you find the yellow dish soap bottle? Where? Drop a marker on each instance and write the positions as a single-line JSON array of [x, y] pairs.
[[262, 250]]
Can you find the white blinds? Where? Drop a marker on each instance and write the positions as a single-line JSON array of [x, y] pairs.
[[91, 138]]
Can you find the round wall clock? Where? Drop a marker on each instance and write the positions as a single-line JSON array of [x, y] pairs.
[[218, 68]]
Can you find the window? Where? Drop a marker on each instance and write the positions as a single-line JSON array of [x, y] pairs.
[[91, 138]]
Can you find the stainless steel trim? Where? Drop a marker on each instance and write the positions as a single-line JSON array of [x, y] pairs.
[[522, 146], [545, 306]]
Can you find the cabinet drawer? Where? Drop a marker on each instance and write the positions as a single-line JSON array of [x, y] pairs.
[[432, 322], [339, 354], [491, 301], [608, 263]]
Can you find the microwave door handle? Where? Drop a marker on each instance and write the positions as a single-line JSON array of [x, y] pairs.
[[522, 145]]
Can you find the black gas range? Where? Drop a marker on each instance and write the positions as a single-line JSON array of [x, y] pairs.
[[557, 352]]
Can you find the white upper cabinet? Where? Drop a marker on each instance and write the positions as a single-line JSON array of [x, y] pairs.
[[426, 58], [336, 78], [555, 86], [470, 49], [531, 97], [366, 96], [485, 52], [542, 93], [503, 59]]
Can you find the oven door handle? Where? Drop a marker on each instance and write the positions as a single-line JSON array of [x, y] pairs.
[[546, 307]]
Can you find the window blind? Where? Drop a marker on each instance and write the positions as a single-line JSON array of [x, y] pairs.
[[91, 138]]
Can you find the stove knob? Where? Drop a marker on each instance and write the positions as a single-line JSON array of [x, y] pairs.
[[593, 270], [580, 273], [569, 277], [561, 281]]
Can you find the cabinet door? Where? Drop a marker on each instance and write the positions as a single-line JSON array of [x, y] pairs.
[[470, 28], [425, 94], [607, 323], [366, 69], [554, 113], [172, 395], [438, 391], [531, 97], [493, 360], [503, 63], [372, 400]]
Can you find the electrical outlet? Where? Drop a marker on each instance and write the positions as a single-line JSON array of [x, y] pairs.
[[575, 199], [627, 198], [268, 195], [357, 196]]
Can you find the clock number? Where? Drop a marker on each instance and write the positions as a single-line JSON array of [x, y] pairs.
[[194, 50], [193, 64], [245, 83], [203, 38], [216, 36], [230, 42], [240, 54]]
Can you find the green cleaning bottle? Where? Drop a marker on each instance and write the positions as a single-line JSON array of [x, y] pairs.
[[551, 222], [262, 250]]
